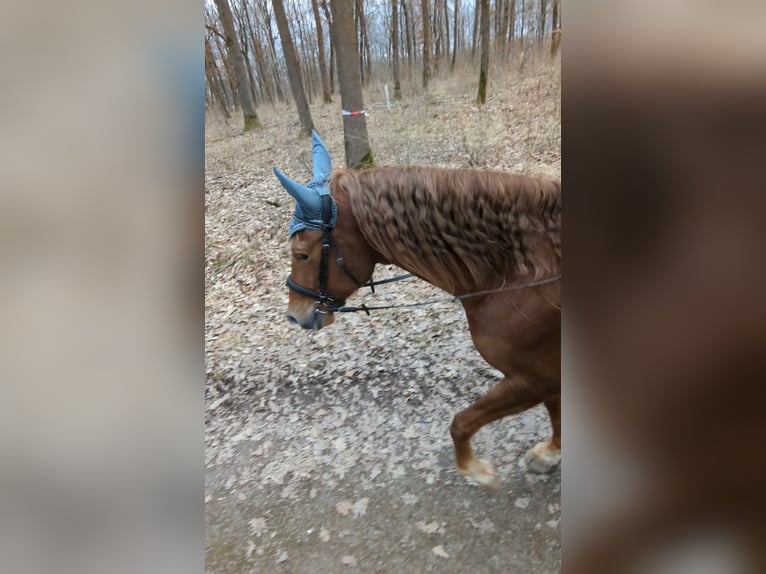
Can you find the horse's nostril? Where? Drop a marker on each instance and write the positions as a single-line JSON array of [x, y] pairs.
[[291, 318]]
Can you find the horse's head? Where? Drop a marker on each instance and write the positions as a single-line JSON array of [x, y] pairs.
[[320, 278]]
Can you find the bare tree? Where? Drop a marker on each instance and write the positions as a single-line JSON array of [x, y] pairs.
[[454, 50], [293, 68], [541, 29], [481, 98], [238, 62], [556, 27], [308, 50], [395, 48], [265, 80], [523, 18], [357, 145], [476, 13], [436, 37], [320, 48], [244, 45], [512, 22], [214, 82], [407, 38], [327, 16], [446, 30], [365, 62], [265, 21], [424, 6]]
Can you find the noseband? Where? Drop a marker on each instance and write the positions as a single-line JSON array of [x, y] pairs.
[[325, 302]]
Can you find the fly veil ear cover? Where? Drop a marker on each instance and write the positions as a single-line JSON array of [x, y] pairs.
[[308, 198]]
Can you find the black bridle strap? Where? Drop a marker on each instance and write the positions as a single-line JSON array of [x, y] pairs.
[[339, 304], [389, 280], [326, 246], [312, 294]]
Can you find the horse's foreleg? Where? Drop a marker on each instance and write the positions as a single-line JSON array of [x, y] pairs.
[[510, 396], [545, 456]]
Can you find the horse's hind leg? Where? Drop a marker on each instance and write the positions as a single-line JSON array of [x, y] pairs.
[[510, 396], [545, 456]]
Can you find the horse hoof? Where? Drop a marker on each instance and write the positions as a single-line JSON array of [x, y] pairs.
[[481, 473], [542, 458]]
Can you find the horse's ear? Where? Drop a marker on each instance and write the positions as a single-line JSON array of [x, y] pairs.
[[322, 165], [306, 197]]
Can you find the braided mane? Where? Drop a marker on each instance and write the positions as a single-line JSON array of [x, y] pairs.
[[458, 228]]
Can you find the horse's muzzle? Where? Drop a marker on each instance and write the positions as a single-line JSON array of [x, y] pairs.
[[313, 321]]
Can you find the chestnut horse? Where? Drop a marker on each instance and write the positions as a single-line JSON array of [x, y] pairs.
[[491, 239]]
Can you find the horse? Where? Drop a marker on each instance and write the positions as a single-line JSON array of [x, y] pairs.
[[490, 239]]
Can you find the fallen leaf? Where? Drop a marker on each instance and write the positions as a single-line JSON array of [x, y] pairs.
[[349, 561], [258, 526], [344, 507], [409, 499], [439, 551], [431, 527], [521, 503], [360, 507], [483, 526], [339, 444]]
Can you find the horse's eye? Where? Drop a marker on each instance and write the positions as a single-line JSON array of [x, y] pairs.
[[301, 256]]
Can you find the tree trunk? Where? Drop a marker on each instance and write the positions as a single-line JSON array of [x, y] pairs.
[[446, 31], [436, 36], [484, 71], [556, 27], [327, 16], [523, 21], [245, 47], [358, 40], [213, 79], [238, 63], [357, 145], [424, 6], [454, 28], [228, 81], [304, 58], [498, 19], [320, 48], [251, 78], [476, 12], [273, 51], [263, 73], [512, 22], [541, 30], [395, 48], [332, 66], [407, 38], [365, 42], [502, 29], [293, 68]]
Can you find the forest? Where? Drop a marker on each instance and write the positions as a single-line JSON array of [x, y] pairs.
[[260, 53]]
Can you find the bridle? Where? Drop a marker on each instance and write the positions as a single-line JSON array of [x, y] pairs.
[[327, 303]]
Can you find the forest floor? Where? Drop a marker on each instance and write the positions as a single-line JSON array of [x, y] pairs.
[[330, 450]]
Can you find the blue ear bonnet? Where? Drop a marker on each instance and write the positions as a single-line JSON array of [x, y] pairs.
[[308, 198]]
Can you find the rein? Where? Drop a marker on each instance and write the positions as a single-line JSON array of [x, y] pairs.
[[326, 303], [366, 309]]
